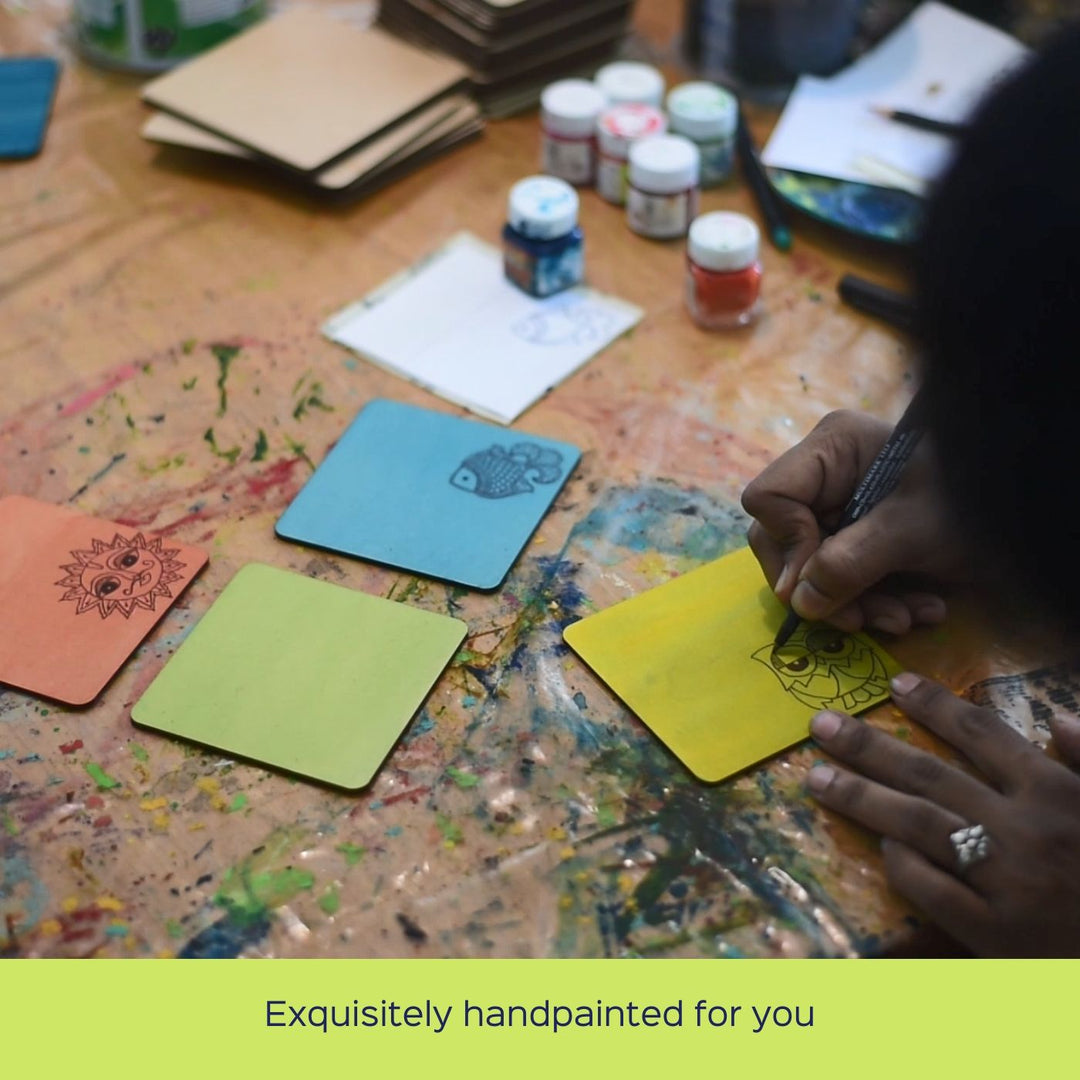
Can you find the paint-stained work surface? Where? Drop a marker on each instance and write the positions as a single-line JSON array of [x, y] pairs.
[[163, 369]]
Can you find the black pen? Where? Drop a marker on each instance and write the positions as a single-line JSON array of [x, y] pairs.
[[923, 123], [880, 480], [878, 300], [767, 200]]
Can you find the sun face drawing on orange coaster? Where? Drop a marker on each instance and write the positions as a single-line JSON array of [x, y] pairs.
[[77, 595], [121, 575], [825, 668]]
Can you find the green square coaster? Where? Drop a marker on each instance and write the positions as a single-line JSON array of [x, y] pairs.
[[302, 675]]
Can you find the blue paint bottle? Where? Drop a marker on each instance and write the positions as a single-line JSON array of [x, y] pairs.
[[543, 245]]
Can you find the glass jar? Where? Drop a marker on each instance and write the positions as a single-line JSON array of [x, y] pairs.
[[709, 115], [723, 274], [543, 245], [568, 112], [662, 192], [616, 130]]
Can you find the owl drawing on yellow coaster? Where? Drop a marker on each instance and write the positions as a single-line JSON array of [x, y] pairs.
[[825, 668]]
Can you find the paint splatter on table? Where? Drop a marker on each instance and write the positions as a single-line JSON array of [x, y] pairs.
[[164, 369]]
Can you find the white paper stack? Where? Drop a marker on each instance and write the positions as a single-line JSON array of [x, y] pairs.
[[938, 63], [454, 325]]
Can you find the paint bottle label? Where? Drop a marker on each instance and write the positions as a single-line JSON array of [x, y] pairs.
[[153, 35], [611, 178], [572, 160], [660, 216]]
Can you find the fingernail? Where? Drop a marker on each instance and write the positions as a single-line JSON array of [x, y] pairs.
[[825, 725], [820, 777], [808, 602], [887, 624], [905, 682], [930, 611]]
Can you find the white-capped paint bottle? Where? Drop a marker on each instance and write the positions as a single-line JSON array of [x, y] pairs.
[[569, 110], [663, 191]]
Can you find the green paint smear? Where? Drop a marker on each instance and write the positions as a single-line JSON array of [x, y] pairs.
[[174, 929], [259, 883], [311, 398], [262, 444], [240, 800], [188, 345], [225, 355], [353, 853], [330, 901], [449, 830], [299, 449], [139, 752], [462, 779], [229, 455], [100, 777], [189, 384], [605, 816], [9, 825]]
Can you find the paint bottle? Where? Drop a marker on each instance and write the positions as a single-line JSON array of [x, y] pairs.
[[627, 82], [568, 112], [723, 274], [543, 245], [662, 193], [618, 128], [708, 115]]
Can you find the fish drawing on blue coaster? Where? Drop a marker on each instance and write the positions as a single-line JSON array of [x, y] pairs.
[[497, 472]]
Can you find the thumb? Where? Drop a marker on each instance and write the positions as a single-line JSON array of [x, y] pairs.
[[1066, 734], [849, 563]]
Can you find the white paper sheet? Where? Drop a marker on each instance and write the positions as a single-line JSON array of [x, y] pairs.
[[456, 326], [938, 63]]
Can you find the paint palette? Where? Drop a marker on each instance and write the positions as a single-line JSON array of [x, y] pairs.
[[433, 494], [78, 594], [694, 660], [301, 675]]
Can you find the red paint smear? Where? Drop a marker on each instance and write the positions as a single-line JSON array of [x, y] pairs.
[[88, 397], [406, 795], [71, 747], [86, 914], [102, 822], [95, 802], [179, 523], [278, 475], [78, 935]]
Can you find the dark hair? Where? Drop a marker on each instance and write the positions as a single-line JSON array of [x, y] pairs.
[[998, 297]]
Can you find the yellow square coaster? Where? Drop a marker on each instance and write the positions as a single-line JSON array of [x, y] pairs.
[[694, 660]]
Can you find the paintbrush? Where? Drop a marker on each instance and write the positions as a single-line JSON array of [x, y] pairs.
[[880, 480], [923, 123]]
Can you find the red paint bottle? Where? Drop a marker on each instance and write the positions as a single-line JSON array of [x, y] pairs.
[[723, 274]]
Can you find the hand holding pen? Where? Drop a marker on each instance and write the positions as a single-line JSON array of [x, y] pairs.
[[837, 576]]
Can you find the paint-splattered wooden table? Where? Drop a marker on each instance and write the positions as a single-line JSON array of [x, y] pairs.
[[163, 367]]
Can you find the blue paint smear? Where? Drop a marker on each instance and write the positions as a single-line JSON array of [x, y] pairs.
[[226, 938], [6, 754]]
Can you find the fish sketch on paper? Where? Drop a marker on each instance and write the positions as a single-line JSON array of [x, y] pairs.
[[825, 668], [496, 473], [568, 321]]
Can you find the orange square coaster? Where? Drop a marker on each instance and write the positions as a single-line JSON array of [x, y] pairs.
[[77, 595]]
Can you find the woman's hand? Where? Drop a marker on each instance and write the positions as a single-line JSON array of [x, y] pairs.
[[839, 579], [1023, 898]]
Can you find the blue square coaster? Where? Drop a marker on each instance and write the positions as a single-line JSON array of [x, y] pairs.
[[430, 493]]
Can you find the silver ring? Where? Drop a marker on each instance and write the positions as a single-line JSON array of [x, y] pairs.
[[971, 844]]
